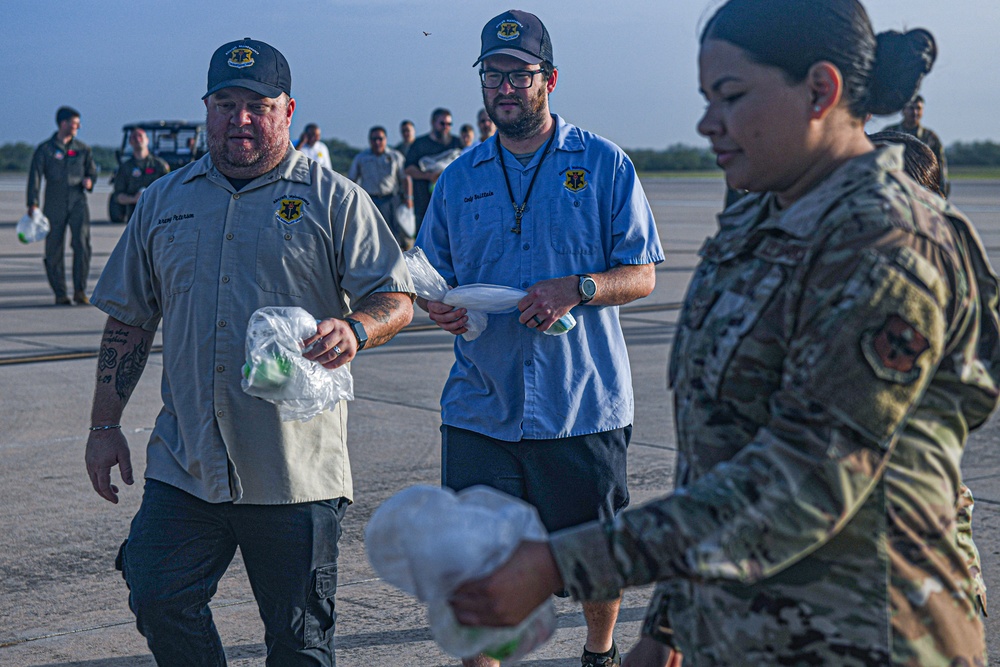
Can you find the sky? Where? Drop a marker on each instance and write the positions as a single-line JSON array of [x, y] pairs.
[[628, 69]]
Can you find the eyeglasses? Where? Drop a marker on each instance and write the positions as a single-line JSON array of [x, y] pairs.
[[521, 78], [377, 138], [444, 123]]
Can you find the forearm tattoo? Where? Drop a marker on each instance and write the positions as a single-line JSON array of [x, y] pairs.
[[383, 308], [118, 366], [379, 307]]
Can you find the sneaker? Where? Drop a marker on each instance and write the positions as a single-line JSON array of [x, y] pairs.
[[80, 299], [63, 301], [609, 659]]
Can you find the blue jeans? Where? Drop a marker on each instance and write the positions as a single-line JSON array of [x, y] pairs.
[[179, 547]]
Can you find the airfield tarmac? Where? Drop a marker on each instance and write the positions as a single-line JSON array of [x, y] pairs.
[[61, 601]]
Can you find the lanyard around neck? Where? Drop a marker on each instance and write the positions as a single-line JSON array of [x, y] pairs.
[[519, 210]]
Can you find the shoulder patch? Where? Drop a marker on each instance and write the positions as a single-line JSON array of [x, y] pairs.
[[893, 348]]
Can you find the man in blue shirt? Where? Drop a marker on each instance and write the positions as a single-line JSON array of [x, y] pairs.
[[558, 212]]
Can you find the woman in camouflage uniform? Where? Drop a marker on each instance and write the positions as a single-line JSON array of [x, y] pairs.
[[838, 342]]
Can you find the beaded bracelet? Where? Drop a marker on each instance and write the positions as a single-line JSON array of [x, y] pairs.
[[105, 428]]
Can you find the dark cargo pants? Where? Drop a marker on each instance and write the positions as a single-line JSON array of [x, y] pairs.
[[179, 547]]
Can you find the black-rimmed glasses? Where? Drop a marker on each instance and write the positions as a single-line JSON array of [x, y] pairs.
[[521, 78]]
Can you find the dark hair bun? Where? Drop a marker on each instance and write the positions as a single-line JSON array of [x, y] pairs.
[[901, 61]]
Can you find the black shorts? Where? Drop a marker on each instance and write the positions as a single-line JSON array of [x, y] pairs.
[[569, 480]]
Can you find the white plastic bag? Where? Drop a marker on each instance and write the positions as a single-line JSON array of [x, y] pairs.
[[478, 299], [435, 164], [276, 371], [34, 227], [406, 221], [427, 540]]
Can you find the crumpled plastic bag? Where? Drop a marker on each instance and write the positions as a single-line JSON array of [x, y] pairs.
[[478, 299], [406, 220], [427, 540], [435, 164], [32, 228], [276, 371]]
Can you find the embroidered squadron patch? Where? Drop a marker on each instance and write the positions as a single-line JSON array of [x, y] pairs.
[[508, 30], [289, 210], [241, 56], [576, 180], [136, 173], [892, 350]]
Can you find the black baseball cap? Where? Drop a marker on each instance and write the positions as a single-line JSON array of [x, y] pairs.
[[519, 34], [251, 64]]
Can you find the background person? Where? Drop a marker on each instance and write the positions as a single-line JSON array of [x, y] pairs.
[[379, 170], [137, 173], [467, 135], [913, 113], [251, 224], [438, 140], [69, 170], [820, 373], [310, 145], [486, 126], [545, 418], [408, 133]]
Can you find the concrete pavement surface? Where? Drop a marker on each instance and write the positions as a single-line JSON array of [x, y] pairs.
[[62, 602]]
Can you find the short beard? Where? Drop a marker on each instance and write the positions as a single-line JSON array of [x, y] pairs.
[[528, 124], [267, 154]]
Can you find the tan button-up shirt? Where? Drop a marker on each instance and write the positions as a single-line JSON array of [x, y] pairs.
[[203, 257]]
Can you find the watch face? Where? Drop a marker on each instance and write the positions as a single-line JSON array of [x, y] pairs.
[[588, 288]]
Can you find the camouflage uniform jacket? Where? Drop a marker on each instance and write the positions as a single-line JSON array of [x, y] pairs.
[[830, 360]]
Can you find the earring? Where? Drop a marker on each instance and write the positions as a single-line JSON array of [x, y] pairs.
[[817, 109]]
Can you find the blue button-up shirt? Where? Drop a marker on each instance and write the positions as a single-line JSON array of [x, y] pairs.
[[587, 213]]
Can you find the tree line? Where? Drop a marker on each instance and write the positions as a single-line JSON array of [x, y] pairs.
[[678, 157]]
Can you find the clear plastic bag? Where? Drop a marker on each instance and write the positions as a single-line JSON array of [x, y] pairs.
[[435, 164], [427, 540], [33, 227], [406, 221], [276, 371], [478, 299]]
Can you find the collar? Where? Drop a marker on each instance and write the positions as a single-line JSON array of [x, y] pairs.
[[801, 218], [569, 138], [293, 167], [55, 140]]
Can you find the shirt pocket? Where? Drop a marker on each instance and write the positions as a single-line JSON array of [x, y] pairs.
[[575, 224], [478, 238], [175, 254], [286, 261]]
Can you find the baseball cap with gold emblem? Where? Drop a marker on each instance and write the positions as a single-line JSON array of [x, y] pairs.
[[251, 64], [519, 34]]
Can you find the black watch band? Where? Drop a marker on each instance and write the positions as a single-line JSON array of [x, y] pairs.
[[359, 332]]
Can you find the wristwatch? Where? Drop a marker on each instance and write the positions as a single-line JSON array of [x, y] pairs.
[[588, 288], [359, 332]]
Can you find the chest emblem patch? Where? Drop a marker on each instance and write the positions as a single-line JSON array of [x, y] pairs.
[[136, 173], [240, 57], [508, 30], [892, 350], [289, 210], [576, 180]]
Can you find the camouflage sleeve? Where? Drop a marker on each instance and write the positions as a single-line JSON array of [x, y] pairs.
[[866, 337], [967, 546]]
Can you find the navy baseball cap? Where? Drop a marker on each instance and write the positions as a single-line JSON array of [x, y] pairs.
[[519, 34], [251, 64]]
